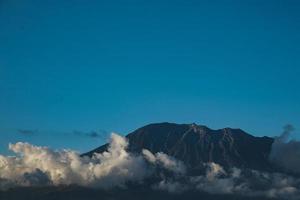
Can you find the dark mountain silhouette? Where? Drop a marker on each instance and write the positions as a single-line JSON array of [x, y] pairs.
[[195, 145]]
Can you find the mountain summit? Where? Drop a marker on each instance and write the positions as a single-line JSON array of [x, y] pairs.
[[196, 145]]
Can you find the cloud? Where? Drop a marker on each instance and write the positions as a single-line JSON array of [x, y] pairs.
[[243, 182], [167, 162], [42, 166], [92, 134], [171, 186], [112, 168], [246, 182], [286, 153], [27, 131]]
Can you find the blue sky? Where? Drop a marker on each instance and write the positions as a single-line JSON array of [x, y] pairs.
[[78, 66]]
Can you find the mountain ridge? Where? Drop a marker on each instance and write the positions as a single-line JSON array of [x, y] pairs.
[[196, 145]]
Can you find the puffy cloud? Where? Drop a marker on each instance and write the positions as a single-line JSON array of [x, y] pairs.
[[217, 181], [246, 182], [165, 161], [111, 168], [35, 165]]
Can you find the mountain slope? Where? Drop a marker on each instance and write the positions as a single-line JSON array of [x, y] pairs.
[[196, 145]]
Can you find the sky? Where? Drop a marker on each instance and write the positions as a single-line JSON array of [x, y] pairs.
[[71, 72]]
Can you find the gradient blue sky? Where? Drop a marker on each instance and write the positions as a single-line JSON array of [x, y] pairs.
[[86, 66]]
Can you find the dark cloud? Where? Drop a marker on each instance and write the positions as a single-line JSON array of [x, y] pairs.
[[35, 178], [92, 134], [286, 153], [27, 131]]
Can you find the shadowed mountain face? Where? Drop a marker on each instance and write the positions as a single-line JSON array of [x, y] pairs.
[[196, 145]]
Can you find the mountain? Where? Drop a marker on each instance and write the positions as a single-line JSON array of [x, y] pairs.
[[195, 145]]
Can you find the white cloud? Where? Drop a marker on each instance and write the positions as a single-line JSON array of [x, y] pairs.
[[41, 165], [165, 161]]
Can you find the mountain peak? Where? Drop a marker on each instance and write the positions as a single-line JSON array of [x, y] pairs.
[[196, 145]]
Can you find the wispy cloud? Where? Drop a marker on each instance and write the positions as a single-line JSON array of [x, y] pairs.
[[92, 134], [27, 131], [285, 152]]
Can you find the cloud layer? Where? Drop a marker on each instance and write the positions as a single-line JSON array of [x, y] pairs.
[[41, 166], [35, 165]]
